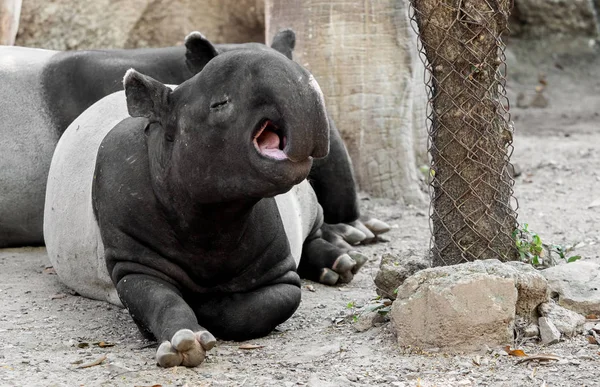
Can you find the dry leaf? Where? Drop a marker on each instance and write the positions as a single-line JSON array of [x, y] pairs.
[[58, 296], [310, 288], [104, 344], [514, 352], [154, 385], [83, 345], [477, 360], [251, 346], [49, 270], [591, 317], [539, 358], [592, 340], [94, 363]]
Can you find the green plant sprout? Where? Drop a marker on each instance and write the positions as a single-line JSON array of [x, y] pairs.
[[532, 250]]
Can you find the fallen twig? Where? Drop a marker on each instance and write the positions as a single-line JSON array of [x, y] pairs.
[[538, 357], [94, 363]]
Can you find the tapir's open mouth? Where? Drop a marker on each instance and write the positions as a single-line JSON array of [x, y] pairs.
[[270, 141]]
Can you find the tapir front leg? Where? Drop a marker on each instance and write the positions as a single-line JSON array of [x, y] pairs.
[[327, 263], [332, 178], [247, 315], [159, 310]]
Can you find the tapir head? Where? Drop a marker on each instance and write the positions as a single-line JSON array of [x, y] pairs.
[[248, 125]]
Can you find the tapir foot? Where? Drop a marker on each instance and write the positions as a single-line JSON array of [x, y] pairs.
[[185, 348], [345, 236], [328, 263], [372, 228], [343, 269]]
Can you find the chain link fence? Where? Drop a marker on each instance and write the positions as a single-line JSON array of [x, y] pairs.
[[473, 210]]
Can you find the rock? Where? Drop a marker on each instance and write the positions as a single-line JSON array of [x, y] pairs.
[[567, 322], [531, 330], [576, 286], [394, 270], [74, 24], [460, 307], [540, 18], [367, 320], [539, 101], [548, 332], [531, 286]]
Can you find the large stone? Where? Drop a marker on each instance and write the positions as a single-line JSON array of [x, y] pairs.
[[566, 321], [576, 286], [393, 270], [531, 286], [461, 307], [540, 18], [74, 24]]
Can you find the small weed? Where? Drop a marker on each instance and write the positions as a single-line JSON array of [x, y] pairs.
[[532, 250]]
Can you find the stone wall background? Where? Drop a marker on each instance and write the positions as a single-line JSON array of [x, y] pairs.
[[86, 24]]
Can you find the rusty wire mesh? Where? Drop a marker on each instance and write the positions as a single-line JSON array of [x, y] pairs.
[[473, 210]]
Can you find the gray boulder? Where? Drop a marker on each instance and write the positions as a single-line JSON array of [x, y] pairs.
[[575, 286]]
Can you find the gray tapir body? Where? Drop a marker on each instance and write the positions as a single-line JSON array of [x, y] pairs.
[[26, 146], [44, 91], [172, 212]]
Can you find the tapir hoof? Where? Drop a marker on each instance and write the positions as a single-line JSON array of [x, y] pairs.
[[343, 269], [371, 228], [344, 236], [185, 348]]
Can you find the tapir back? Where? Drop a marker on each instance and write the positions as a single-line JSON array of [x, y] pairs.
[[71, 232], [25, 150]]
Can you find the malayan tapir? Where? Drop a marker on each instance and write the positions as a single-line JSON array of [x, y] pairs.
[[194, 212], [44, 91]]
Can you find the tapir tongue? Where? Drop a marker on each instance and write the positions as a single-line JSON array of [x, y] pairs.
[[268, 144]]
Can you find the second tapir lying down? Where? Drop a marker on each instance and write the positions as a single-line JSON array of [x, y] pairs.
[[195, 212]]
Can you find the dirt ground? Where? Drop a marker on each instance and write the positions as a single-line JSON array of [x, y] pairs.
[[558, 149]]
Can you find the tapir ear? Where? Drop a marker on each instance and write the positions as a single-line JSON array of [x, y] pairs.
[[199, 51], [146, 97], [284, 42]]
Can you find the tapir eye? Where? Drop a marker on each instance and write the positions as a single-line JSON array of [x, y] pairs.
[[218, 105]]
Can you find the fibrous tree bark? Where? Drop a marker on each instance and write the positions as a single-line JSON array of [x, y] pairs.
[[470, 134], [363, 55], [10, 11]]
